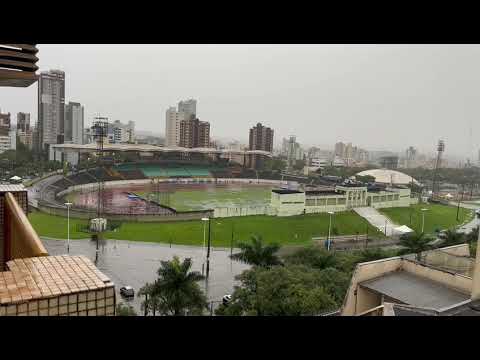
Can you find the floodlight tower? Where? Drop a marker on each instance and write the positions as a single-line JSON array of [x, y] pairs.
[[440, 150], [100, 132]]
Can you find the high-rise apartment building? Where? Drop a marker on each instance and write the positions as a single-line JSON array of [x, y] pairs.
[[51, 108], [261, 138], [23, 122], [194, 133], [188, 107], [74, 123], [340, 149], [24, 131], [187, 110]]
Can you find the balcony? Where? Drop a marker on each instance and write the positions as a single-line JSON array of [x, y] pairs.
[[18, 65]]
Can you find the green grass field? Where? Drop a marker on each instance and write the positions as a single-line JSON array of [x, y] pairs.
[[437, 217], [232, 196], [294, 230]]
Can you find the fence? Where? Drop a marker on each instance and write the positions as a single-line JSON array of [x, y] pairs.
[[86, 214], [242, 211]]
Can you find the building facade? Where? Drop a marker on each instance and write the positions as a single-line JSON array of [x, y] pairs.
[[8, 136], [194, 133], [51, 108], [341, 198], [119, 133], [260, 138], [187, 110], [24, 131], [74, 123]]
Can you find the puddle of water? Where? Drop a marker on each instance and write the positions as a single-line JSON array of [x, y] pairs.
[[135, 263]]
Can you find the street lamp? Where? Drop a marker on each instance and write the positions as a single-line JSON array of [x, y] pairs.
[[68, 204], [204, 223], [208, 244], [423, 218], [329, 228]]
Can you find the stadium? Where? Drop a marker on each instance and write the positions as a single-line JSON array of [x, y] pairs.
[[167, 185]]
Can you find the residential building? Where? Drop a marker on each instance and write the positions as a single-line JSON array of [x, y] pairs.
[[74, 123], [8, 136], [194, 133], [187, 110], [340, 149], [261, 138], [51, 108], [439, 282], [23, 122], [294, 152], [188, 107], [119, 133]]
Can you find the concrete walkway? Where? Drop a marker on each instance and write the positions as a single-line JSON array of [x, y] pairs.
[[381, 222]]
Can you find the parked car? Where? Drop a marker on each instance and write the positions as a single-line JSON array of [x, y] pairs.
[[127, 291], [477, 212]]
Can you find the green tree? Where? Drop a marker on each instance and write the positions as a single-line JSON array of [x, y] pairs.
[[151, 302], [416, 243], [177, 290], [314, 257], [125, 310], [452, 237], [472, 236], [280, 291], [255, 253]]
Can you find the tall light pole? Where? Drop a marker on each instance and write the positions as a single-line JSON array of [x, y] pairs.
[[68, 204], [423, 219], [204, 220], [329, 229], [208, 246]]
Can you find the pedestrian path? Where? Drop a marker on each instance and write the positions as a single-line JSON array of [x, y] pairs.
[[381, 222]]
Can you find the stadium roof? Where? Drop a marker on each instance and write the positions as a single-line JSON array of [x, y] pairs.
[[152, 148], [389, 176]]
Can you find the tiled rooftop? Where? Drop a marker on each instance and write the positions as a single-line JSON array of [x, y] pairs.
[[40, 277], [12, 187]]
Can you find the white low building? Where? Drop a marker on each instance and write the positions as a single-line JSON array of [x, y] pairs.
[[341, 198]]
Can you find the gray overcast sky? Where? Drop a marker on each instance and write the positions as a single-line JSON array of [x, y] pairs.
[[375, 96]]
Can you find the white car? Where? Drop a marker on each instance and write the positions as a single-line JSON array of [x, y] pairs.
[[477, 212]]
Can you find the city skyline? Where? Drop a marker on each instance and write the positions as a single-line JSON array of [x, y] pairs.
[[347, 92]]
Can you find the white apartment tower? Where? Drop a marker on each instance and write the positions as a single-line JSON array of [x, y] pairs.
[[74, 123], [186, 110], [51, 107]]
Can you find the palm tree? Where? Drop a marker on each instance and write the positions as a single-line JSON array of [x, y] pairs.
[[255, 253], [416, 243], [452, 237], [176, 291], [472, 236], [151, 302]]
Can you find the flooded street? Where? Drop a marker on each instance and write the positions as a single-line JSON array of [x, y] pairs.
[[135, 263]]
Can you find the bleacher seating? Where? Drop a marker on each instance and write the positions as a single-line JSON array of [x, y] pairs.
[[81, 178], [162, 170]]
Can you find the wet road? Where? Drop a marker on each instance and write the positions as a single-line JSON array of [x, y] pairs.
[[135, 263]]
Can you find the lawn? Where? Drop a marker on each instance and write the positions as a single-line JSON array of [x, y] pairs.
[[211, 197], [293, 230], [437, 217]]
